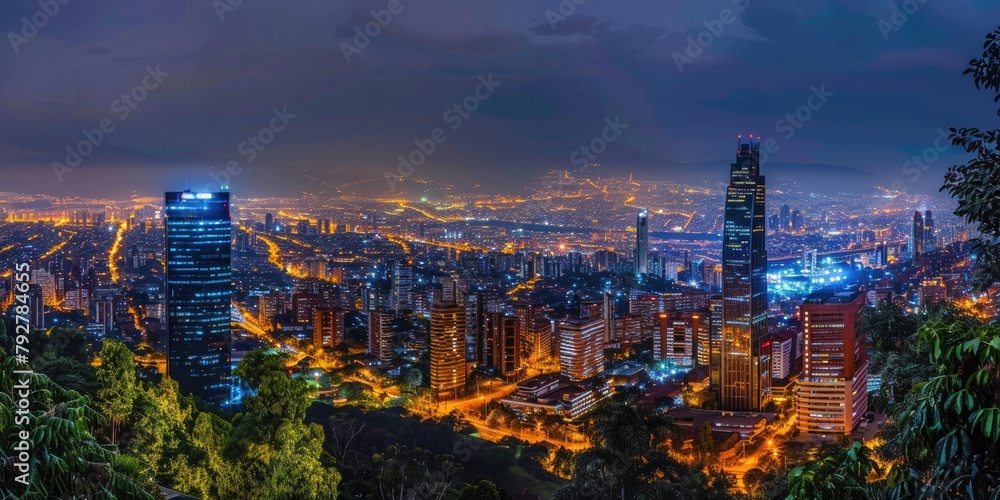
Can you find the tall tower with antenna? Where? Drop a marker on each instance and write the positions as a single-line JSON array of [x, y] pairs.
[[745, 383]]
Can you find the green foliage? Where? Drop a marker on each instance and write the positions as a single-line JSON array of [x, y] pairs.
[[255, 365], [976, 185], [65, 458], [267, 452], [707, 454], [117, 384], [271, 452], [842, 475], [949, 431], [66, 372], [630, 458]]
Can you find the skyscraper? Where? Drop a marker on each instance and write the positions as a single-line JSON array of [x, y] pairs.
[[746, 374], [785, 220], [199, 291], [916, 243], [833, 389], [642, 243], [930, 239], [447, 349], [402, 286]]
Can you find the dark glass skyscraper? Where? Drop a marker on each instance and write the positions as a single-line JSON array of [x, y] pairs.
[[642, 243], [930, 238], [916, 243], [199, 291], [746, 371]]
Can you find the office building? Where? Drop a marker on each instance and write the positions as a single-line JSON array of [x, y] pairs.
[[675, 341], [932, 291], [715, 342], [916, 243], [642, 243], [930, 237], [199, 291], [833, 389], [745, 371]]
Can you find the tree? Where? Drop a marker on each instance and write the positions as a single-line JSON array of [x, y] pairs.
[[976, 185], [842, 475], [256, 364], [706, 445], [948, 432], [412, 379], [65, 459], [159, 426], [271, 451], [117, 384], [630, 458]]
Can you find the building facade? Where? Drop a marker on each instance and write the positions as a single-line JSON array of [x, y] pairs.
[[642, 243], [581, 354], [199, 292], [745, 366], [833, 389], [447, 348]]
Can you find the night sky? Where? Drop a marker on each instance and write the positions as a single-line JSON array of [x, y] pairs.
[[223, 71]]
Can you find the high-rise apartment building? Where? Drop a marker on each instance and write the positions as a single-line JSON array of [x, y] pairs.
[[833, 389], [745, 372], [199, 291], [328, 327], [581, 354], [504, 334], [447, 346], [380, 333], [402, 286]]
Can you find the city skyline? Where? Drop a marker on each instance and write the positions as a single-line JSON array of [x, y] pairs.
[[593, 65], [499, 250]]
